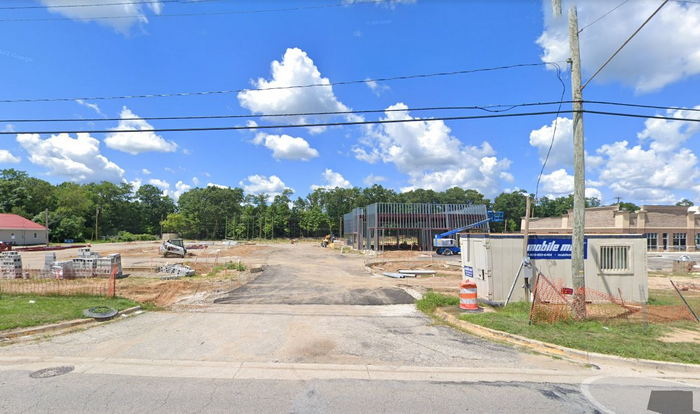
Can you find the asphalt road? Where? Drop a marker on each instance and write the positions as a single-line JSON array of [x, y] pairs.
[[301, 339]]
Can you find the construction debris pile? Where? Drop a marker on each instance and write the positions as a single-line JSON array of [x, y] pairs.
[[10, 265], [87, 264], [402, 273], [175, 271]]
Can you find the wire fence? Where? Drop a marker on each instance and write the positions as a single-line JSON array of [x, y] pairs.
[[43, 283], [553, 302]]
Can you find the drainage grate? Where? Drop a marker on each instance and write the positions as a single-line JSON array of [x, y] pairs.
[[51, 372]]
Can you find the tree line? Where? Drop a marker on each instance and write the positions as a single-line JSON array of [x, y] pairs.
[[99, 210]]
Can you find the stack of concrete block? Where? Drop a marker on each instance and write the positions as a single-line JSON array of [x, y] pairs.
[[104, 266], [174, 271], [10, 265], [49, 260], [87, 253], [84, 266], [62, 270]]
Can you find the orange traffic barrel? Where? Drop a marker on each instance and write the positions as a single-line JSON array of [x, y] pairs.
[[467, 297]]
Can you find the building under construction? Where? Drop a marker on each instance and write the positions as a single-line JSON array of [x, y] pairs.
[[390, 226]]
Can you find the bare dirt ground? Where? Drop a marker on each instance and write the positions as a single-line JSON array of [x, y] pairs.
[[445, 280], [682, 335], [137, 257]]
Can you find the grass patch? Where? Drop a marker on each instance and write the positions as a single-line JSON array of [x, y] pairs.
[[432, 300], [18, 311], [670, 297], [616, 337], [238, 266]]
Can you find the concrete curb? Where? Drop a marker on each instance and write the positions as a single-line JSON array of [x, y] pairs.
[[575, 355], [19, 333]]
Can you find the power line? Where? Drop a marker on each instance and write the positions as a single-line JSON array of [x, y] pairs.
[[122, 3], [305, 125], [488, 108], [315, 85], [624, 44], [554, 131], [633, 105], [603, 16], [348, 123], [625, 114], [194, 14]]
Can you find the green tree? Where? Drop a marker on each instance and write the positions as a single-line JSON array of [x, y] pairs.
[[209, 210], [513, 206], [685, 203], [153, 207], [628, 206]]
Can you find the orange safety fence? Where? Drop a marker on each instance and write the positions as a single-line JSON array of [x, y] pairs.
[[553, 301], [40, 282]]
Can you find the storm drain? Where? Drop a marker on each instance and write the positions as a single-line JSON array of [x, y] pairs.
[[51, 372]]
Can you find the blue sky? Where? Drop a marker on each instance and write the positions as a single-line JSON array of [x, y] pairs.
[[146, 51]]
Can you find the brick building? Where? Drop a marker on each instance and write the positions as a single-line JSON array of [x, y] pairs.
[[667, 228]]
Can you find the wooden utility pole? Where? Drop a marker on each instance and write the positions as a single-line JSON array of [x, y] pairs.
[[526, 236], [46, 221], [97, 214], [578, 230]]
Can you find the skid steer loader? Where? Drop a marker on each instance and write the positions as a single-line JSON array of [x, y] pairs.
[[174, 247]]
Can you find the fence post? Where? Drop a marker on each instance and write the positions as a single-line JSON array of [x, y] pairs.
[[113, 283]]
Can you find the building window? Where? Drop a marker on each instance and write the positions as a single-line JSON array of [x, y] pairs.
[[614, 259], [652, 241], [679, 241], [697, 241], [35, 235]]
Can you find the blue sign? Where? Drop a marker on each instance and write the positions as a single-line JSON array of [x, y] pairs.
[[468, 271], [552, 248]]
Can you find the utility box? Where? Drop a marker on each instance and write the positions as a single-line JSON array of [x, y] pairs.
[[615, 265]]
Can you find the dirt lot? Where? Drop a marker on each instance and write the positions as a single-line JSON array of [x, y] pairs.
[[139, 257]]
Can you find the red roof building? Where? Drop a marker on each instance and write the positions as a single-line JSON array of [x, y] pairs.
[[19, 231], [15, 222]]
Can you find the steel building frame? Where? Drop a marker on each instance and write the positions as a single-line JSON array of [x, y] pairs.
[[368, 227]]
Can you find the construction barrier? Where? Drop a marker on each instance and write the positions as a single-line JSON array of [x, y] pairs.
[[467, 297]]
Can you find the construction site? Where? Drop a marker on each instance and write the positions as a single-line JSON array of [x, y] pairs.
[[395, 226]]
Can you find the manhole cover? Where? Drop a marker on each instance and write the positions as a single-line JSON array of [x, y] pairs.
[[51, 372]]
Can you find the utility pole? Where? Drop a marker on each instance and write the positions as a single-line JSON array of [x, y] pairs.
[[46, 221], [97, 214], [578, 230], [526, 236]]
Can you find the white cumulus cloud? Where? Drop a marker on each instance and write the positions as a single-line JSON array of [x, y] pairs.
[[78, 159], [122, 15], [162, 184], [332, 180], [560, 183], [180, 188], [562, 153], [137, 142], [431, 156], [296, 68], [260, 184], [285, 147], [6, 157], [666, 50], [373, 179]]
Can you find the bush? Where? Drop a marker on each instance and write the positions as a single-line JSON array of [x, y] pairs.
[[125, 236]]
